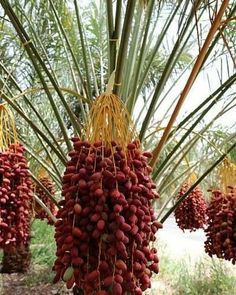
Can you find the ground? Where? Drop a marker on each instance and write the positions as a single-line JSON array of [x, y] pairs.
[[18, 284]]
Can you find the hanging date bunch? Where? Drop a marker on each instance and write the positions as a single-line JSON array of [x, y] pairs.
[[106, 223], [191, 213], [15, 187], [5, 181], [40, 213], [221, 229]]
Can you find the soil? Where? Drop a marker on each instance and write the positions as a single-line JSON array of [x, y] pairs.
[[17, 284]]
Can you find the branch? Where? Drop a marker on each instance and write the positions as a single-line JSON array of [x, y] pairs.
[[124, 44], [197, 66], [45, 208]]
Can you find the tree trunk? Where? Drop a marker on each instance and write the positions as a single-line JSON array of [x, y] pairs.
[[17, 259]]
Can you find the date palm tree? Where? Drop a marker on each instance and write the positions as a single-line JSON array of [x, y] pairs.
[[57, 56]]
